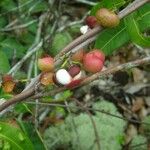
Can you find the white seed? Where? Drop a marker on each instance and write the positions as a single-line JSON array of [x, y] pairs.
[[63, 77], [84, 29], [78, 76]]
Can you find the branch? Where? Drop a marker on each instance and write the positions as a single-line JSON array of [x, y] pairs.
[[97, 138], [95, 76], [89, 109], [129, 9], [90, 36], [30, 92], [19, 26]]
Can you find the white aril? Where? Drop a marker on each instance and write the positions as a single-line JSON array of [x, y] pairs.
[[63, 77], [84, 29]]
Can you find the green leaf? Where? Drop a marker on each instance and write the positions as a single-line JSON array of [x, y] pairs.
[[4, 63], [7, 5], [113, 4], [110, 40], [14, 137], [33, 134], [3, 22], [134, 32], [95, 8], [110, 4], [40, 6], [10, 45], [22, 108], [59, 42]]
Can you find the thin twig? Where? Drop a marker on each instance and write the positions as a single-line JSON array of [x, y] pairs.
[[95, 76], [73, 124], [86, 2], [13, 9], [34, 47], [93, 123], [129, 9], [90, 109], [19, 26]]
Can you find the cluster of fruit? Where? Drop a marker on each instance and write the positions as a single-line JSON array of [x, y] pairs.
[[90, 62], [103, 17]]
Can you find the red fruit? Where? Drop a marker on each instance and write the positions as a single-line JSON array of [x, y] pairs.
[[93, 61], [91, 21], [78, 56], [47, 78], [8, 83], [46, 63], [74, 83], [74, 70]]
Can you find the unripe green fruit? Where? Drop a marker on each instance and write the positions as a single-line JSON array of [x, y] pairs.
[[107, 18], [93, 61]]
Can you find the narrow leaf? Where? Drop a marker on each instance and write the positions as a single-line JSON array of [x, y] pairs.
[[14, 137], [134, 32], [34, 135], [4, 63]]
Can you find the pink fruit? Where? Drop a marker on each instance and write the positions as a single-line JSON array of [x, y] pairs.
[[93, 61], [46, 64]]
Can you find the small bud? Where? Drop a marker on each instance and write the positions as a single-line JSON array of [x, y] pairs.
[[46, 78], [8, 83], [78, 56], [91, 21], [63, 77], [46, 63], [84, 29]]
